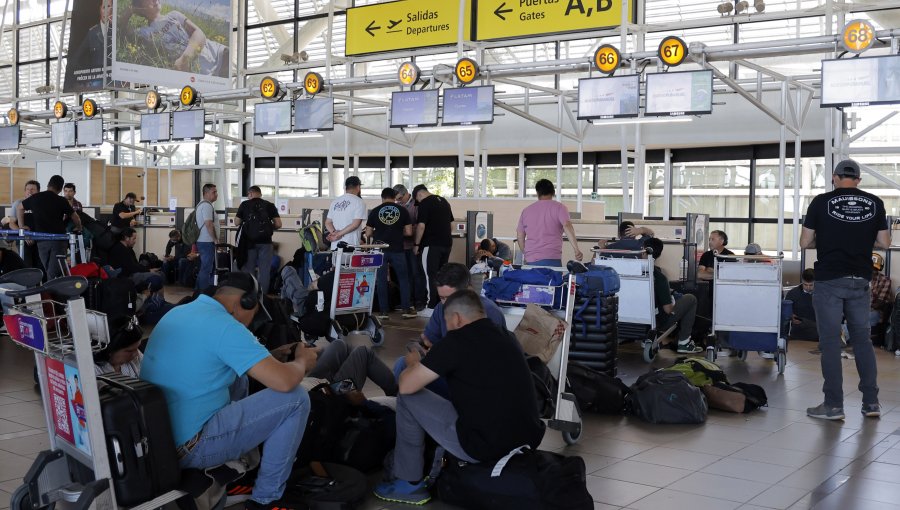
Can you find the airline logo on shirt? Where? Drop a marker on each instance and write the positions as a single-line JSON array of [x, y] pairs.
[[389, 215], [852, 208]]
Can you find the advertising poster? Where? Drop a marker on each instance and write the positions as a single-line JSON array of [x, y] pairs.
[[355, 290], [173, 43], [90, 45], [26, 330], [77, 411], [59, 400]]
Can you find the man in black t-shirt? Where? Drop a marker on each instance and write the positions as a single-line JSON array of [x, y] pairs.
[[124, 213], [388, 223], [489, 413], [260, 219], [50, 212], [433, 238], [803, 314], [844, 225], [718, 240]]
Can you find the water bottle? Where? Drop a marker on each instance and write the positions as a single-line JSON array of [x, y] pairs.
[[684, 269], [505, 267]]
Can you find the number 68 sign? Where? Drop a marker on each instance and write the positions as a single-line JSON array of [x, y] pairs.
[[858, 36]]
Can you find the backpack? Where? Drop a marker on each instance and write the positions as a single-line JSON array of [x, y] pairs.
[[88, 270], [735, 398], [327, 486], [596, 391], [666, 396], [533, 480], [258, 226], [191, 231], [544, 386], [699, 371], [892, 335], [369, 435], [311, 237]]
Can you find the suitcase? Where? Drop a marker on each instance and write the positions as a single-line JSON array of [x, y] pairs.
[[116, 297], [142, 457], [224, 261]]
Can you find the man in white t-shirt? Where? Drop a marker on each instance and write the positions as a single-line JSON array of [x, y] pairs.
[[209, 235], [346, 214]]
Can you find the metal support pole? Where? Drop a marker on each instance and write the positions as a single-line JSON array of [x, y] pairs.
[[667, 184], [559, 147], [623, 151], [782, 153], [798, 174], [580, 201]]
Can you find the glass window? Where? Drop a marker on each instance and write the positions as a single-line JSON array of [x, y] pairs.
[[438, 180], [609, 187], [292, 182], [718, 188], [32, 76], [266, 45], [656, 203], [372, 181], [766, 236], [569, 187], [33, 43], [32, 10], [812, 183], [503, 181], [738, 233]]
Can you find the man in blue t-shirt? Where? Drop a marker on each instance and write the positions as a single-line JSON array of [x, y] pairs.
[[195, 354], [451, 278]]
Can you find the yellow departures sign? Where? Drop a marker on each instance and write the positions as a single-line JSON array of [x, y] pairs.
[[403, 25], [502, 19]]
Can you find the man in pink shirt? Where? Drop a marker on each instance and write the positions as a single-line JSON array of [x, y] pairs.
[[541, 227]]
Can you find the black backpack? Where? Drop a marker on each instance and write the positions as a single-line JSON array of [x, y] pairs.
[[327, 486], [258, 225], [544, 386], [596, 391], [534, 480], [666, 396]]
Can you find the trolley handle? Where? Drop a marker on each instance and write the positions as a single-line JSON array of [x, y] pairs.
[[26, 277], [780, 256], [66, 286], [608, 251]]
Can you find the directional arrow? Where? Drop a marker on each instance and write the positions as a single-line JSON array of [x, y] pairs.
[[500, 11], [371, 28]]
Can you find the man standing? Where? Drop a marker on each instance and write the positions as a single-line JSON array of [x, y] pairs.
[[196, 353], [388, 223], [414, 269], [346, 214], [69, 194], [31, 258], [541, 227], [208, 223], [260, 219], [843, 225], [488, 414], [433, 239], [50, 213], [124, 213]]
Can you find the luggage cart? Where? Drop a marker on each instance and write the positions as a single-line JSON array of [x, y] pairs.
[[561, 302], [753, 284], [355, 273], [637, 302], [64, 336]]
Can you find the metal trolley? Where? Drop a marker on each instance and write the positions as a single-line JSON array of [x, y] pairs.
[[561, 302], [355, 273], [637, 302], [747, 304], [63, 336]]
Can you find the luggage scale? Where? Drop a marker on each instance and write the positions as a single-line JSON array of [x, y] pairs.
[[64, 336], [353, 292], [566, 415]]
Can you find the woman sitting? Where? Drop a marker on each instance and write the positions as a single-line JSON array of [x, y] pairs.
[[122, 355]]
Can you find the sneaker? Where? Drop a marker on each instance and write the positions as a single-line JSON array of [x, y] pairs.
[[426, 312], [766, 355], [688, 347], [410, 313], [275, 505], [824, 412], [871, 410], [401, 491], [382, 316]]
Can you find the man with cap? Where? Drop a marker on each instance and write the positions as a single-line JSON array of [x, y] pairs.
[[882, 294], [195, 353], [843, 225], [433, 239], [124, 213], [346, 214]]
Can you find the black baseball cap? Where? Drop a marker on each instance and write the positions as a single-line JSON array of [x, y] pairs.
[[416, 190], [847, 168]]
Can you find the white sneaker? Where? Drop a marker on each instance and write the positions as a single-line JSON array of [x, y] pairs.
[[426, 312], [767, 355]]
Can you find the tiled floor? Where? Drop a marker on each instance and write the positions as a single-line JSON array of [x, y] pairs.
[[773, 458]]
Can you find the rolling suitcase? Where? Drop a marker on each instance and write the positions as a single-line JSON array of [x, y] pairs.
[[117, 297], [142, 456], [224, 261]]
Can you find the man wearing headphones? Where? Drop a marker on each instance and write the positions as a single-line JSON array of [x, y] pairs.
[[195, 353], [718, 240]]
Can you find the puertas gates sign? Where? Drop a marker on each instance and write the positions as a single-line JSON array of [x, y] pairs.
[[405, 24], [503, 19]]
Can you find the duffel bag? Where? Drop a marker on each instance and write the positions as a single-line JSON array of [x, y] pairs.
[[596, 391], [666, 396], [598, 280]]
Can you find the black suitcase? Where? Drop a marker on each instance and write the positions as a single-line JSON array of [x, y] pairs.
[[142, 456], [117, 297]]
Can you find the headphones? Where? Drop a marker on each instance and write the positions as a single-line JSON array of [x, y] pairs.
[[243, 281]]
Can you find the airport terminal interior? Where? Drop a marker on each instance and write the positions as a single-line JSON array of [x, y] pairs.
[[691, 119]]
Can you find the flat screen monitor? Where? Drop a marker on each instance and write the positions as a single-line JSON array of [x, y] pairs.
[[469, 105], [315, 114], [414, 108], [272, 118], [861, 81], [188, 125], [155, 127], [681, 93], [89, 132], [609, 98], [62, 135], [9, 138]]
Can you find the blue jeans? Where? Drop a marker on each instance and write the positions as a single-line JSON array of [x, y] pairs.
[[547, 262], [417, 290], [271, 418], [846, 298], [207, 253], [397, 260], [260, 256]]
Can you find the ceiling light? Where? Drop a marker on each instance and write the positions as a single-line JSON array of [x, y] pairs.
[[741, 7], [641, 120], [293, 135], [725, 7], [441, 129]]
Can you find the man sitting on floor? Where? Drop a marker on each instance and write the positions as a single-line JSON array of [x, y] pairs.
[[488, 414], [803, 317], [669, 310]]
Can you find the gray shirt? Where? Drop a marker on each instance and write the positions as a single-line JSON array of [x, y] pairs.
[[206, 212]]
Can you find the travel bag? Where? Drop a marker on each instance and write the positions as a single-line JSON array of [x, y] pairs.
[[116, 297], [666, 396], [142, 456], [595, 391], [327, 486], [735, 398]]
